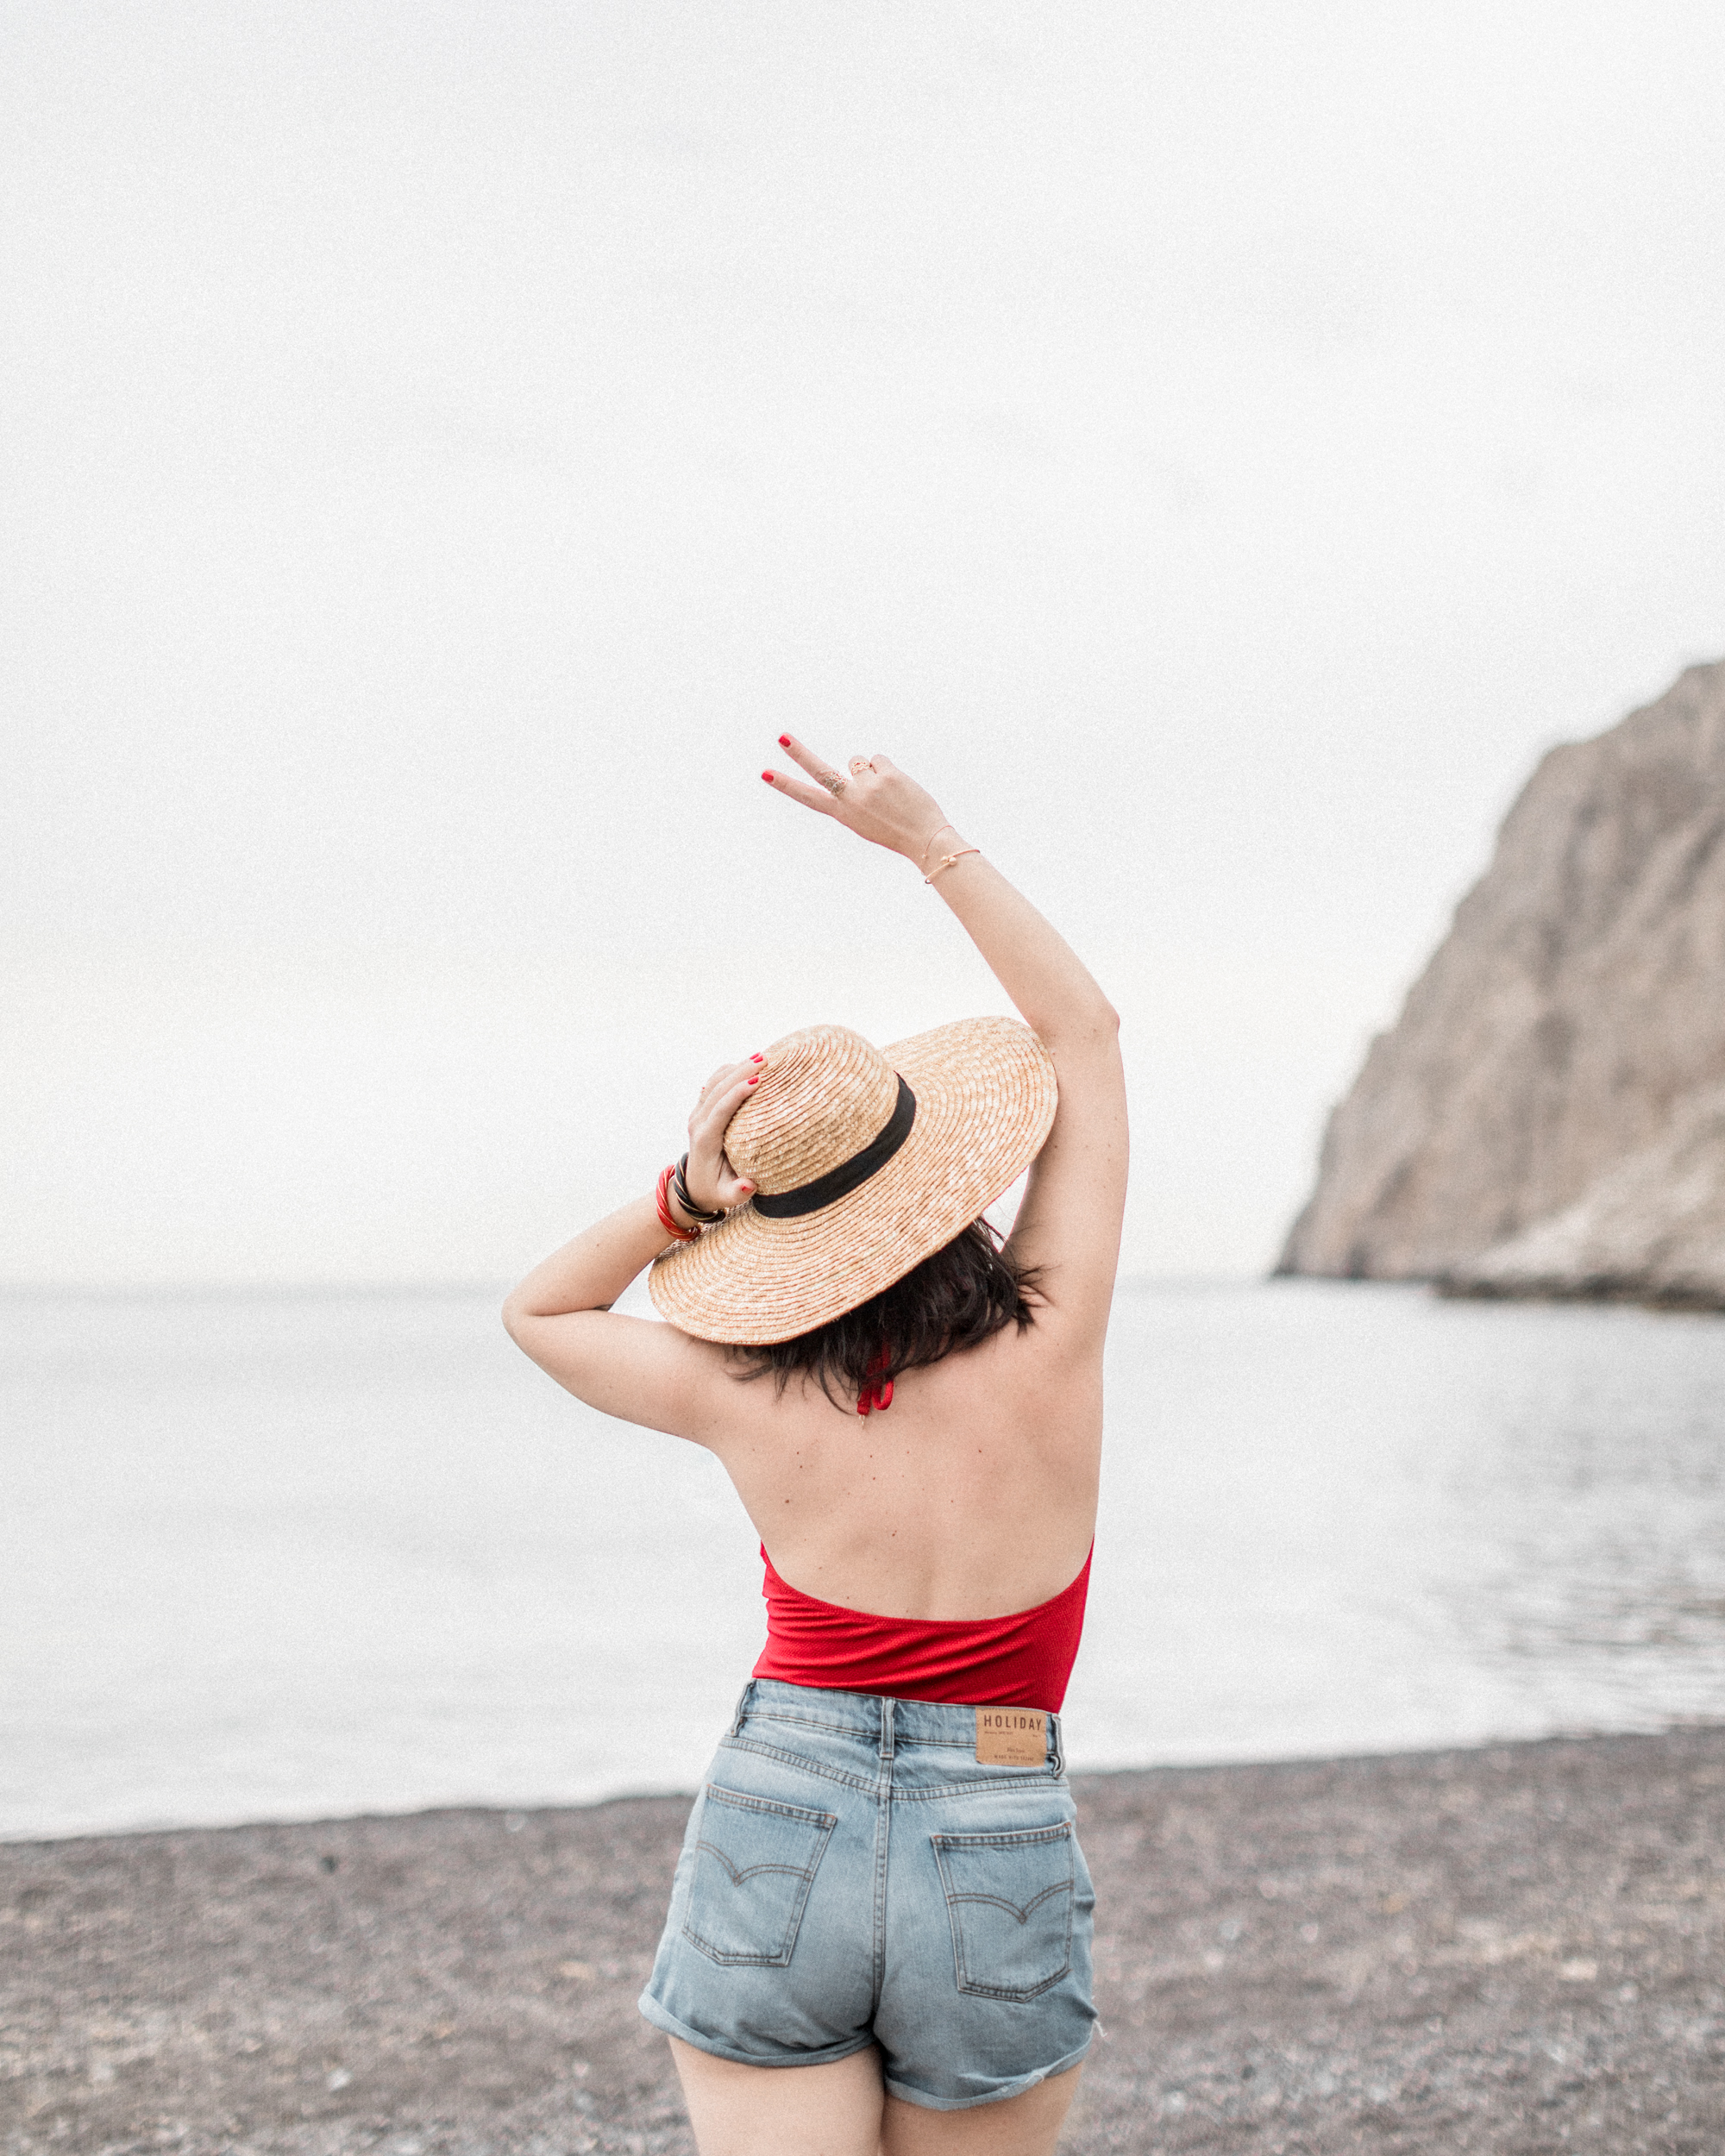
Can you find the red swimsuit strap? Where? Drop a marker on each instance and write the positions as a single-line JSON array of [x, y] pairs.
[[877, 1390]]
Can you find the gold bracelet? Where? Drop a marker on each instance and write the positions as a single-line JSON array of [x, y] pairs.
[[949, 860], [930, 840]]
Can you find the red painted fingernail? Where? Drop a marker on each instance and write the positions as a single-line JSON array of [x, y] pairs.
[[756, 1080], [768, 776], [784, 741], [757, 1059]]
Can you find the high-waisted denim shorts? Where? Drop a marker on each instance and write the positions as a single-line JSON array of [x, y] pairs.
[[852, 1876]]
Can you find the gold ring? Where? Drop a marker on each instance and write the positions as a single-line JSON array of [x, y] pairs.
[[835, 785], [860, 763]]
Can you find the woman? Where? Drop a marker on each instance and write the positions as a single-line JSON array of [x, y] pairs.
[[880, 1889]]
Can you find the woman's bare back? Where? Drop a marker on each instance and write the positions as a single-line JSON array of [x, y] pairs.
[[973, 1495]]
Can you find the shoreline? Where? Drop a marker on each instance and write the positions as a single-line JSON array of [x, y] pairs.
[[574, 1807], [1520, 1946]]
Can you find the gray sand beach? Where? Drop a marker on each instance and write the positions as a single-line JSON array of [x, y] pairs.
[[1520, 1948]]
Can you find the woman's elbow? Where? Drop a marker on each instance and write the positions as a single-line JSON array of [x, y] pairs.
[[1095, 1027], [517, 1316], [521, 1321]]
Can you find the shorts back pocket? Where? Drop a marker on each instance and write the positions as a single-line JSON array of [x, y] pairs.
[[1009, 1901], [755, 1862]]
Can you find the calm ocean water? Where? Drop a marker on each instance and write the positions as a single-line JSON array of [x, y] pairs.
[[295, 1555]]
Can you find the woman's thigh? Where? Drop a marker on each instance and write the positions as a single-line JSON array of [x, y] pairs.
[[831, 2110], [1026, 2125], [842, 2109]]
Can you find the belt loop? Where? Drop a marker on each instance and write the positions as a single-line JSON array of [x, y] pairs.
[[745, 1699], [1056, 1757], [889, 1711]]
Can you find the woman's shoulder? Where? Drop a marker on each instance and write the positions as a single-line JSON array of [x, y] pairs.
[[1040, 1372]]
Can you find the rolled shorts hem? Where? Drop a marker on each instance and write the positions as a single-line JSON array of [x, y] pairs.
[[1017, 2087], [825, 2056]]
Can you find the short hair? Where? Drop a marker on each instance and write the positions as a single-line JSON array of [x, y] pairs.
[[957, 1297]]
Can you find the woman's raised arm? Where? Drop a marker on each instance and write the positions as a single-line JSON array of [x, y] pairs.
[[1069, 1223]]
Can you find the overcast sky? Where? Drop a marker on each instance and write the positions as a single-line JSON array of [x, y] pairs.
[[1216, 447]]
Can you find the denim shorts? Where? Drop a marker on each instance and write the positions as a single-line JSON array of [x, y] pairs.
[[852, 1876]]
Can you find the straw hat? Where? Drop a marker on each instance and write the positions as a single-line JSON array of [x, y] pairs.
[[864, 1162]]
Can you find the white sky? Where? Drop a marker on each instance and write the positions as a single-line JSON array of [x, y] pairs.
[[1216, 447]]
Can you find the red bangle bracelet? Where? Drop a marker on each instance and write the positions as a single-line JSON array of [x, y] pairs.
[[666, 1217]]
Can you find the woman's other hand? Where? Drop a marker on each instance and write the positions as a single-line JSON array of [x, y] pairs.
[[714, 1184], [873, 798]]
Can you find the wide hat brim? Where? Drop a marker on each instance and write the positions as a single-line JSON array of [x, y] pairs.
[[985, 1101]]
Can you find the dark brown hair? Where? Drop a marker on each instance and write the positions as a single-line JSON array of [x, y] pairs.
[[958, 1297]]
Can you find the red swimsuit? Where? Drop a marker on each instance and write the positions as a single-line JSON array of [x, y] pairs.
[[1023, 1659]]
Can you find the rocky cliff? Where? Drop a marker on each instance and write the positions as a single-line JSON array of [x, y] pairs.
[[1547, 1115]]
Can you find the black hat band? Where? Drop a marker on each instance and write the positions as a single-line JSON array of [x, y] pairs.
[[850, 1174]]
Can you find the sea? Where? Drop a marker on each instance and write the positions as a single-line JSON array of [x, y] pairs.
[[292, 1556]]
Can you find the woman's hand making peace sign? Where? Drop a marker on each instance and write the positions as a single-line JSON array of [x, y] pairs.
[[880, 803], [873, 798]]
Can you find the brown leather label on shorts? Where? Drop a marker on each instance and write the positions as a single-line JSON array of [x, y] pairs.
[[1011, 1737]]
